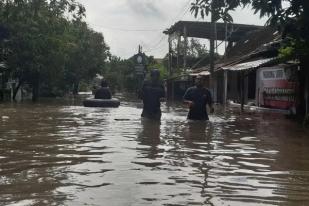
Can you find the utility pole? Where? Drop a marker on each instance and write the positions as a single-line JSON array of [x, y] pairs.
[[211, 53], [170, 87], [185, 36]]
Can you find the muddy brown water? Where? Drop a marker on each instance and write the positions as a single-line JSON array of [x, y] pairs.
[[60, 153]]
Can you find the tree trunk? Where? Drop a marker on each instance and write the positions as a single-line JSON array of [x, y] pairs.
[[2, 87], [306, 118], [75, 88], [242, 90], [16, 89], [302, 90], [35, 87]]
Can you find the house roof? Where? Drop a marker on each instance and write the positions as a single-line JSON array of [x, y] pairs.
[[253, 48], [230, 31], [254, 42], [248, 65], [203, 73]]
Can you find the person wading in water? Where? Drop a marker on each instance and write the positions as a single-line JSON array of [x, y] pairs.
[[152, 93], [197, 98]]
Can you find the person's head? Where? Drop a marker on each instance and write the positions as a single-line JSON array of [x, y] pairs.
[[199, 81], [104, 83], [155, 75]]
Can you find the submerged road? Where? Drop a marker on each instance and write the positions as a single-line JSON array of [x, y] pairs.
[[60, 153]]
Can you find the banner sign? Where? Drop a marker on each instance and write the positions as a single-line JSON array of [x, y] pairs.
[[276, 88]]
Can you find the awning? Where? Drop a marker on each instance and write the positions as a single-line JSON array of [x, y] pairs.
[[247, 65], [202, 73]]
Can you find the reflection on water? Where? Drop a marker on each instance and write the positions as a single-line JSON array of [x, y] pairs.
[[54, 153]]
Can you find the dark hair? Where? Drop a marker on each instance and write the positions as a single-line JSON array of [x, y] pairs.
[[104, 83]]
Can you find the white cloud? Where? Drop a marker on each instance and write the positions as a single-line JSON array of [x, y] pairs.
[[121, 22]]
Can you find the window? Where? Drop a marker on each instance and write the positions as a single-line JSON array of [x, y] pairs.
[[279, 74], [269, 74], [273, 74]]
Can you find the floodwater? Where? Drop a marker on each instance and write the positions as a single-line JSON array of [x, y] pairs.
[[60, 153]]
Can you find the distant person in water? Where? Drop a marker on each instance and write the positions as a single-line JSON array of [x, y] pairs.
[[197, 98], [152, 93], [103, 92]]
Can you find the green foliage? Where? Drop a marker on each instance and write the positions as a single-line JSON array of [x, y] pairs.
[[120, 74], [161, 67], [286, 52], [219, 9], [291, 16], [196, 49], [197, 55], [49, 46]]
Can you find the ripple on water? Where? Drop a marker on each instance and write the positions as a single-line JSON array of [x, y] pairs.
[[71, 155]]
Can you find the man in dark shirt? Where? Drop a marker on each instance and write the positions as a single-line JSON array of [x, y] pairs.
[[197, 98], [152, 93], [104, 92]]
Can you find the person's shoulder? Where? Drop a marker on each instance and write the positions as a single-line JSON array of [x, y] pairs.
[[191, 88], [207, 90], [146, 83], [100, 89]]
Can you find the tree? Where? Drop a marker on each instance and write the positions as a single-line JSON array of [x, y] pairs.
[[292, 16], [50, 47], [197, 54], [35, 36], [86, 55], [120, 73]]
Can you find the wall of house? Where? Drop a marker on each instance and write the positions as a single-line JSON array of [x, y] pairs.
[[252, 85], [220, 86], [276, 88], [233, 86]]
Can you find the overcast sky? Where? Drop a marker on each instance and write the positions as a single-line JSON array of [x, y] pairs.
[[127, 23]]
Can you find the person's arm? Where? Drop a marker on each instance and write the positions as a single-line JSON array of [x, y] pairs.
[[97, 94], [140, 92], [187, 98], [210, 102], [162, 93]]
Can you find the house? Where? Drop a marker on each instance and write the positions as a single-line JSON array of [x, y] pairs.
[[225, 32], [250, 71], [229, 33]]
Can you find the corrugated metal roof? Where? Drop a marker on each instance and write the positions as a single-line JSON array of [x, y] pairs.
[[247, 65], [201, 29], [202, 73]]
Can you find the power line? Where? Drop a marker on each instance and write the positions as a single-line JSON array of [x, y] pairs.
[[157, 45], [182, 13], [128, 30]]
